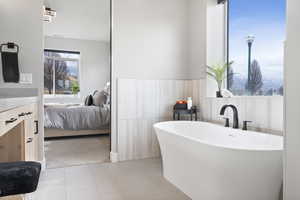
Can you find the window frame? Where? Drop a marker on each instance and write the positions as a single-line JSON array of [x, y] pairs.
[[226, 31], [54, 95]]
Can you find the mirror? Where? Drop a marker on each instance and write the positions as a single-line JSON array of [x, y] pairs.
[[77, 81]]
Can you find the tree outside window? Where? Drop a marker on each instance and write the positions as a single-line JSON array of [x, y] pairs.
[[61, 73]]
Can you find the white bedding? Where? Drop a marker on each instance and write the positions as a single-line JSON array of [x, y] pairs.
[[70, 117]]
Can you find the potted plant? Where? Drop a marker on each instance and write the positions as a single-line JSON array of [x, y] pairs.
[[219, 73]]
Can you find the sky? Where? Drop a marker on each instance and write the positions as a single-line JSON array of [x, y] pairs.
[[264, 19]]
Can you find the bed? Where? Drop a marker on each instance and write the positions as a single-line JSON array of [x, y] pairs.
[[76, 120]]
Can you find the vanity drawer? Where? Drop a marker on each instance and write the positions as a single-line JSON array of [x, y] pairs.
[[10, 118]]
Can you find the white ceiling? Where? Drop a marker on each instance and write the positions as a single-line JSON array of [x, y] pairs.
[[79, 19]]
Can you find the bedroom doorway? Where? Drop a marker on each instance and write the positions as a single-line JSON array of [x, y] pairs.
[[77, 76]]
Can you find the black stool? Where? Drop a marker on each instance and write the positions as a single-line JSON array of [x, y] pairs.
[[19, 178], [180, 111]]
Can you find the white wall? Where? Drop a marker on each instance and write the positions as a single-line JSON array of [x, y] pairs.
[[85, 20], [141, 103], [266, 113], [21, 22], [149, 42], [216, 30], [150, 39], [292, 99], [197, 36], [206, 40], [94, 65]]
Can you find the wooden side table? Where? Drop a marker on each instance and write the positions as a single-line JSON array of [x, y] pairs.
[[192, 112]]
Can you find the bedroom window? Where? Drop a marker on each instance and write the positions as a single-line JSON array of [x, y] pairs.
[[61, 72], [255, 37]]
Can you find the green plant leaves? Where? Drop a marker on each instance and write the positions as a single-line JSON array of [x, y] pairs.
[[219, 72]]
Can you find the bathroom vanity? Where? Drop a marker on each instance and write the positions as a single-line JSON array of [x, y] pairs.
[[19, 134]]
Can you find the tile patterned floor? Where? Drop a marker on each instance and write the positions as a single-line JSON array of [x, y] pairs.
[[133, 180], [77, 151]]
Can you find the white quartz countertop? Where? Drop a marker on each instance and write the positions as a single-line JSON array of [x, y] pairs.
[[10, 103]]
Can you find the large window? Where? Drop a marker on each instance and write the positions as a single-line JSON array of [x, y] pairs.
[[61, 72], [256, 35]]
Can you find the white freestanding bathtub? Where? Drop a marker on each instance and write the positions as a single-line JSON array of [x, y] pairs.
[[211, 162]]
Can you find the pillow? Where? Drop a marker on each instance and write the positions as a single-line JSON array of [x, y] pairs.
[[88, 100], [99, 98]]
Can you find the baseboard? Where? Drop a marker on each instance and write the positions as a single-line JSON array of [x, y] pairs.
[[114, 157]]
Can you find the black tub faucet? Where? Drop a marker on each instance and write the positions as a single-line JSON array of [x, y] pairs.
[[235, 115]]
